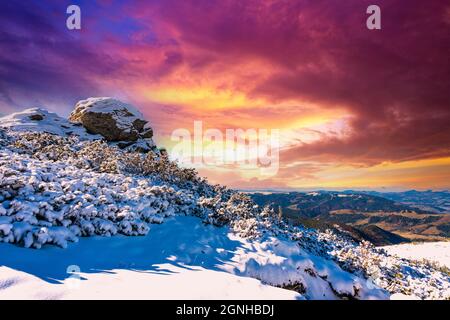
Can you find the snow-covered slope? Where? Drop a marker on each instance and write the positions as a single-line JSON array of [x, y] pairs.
[[181, 258], [60, 191], [40, 120]]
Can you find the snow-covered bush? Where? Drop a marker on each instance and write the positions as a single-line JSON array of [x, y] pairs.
[[94, 188], [100, 156], [159, 166]]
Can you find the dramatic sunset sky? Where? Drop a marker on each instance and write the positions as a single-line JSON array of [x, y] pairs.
[[355, 108]]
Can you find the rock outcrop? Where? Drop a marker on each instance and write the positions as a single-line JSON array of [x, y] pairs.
[[116, 121], [92, 119]]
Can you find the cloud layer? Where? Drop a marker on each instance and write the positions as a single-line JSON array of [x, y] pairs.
[[369, 97]]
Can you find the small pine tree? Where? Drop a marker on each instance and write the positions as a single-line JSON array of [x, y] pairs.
[[280, 213]]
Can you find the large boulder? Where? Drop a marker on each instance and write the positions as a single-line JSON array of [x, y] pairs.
[[116, 121], [111, 118]]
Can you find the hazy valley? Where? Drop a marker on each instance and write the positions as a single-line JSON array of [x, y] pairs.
[[371, 216]]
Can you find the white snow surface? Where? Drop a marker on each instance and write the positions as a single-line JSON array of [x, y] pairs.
[[432, 251], [50, 123], [181, 258]]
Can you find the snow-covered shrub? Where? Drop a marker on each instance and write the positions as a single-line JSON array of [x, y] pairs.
[[158, 166], [3, 138], [238, 210], [44, 146], [90, 187], [100, 156]]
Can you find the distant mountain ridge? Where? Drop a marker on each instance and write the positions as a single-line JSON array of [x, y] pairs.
[[313, 204], [428, 200], [432, 201], [373, 218]]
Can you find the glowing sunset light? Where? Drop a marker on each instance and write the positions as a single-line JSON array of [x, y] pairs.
[[355, 108]]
